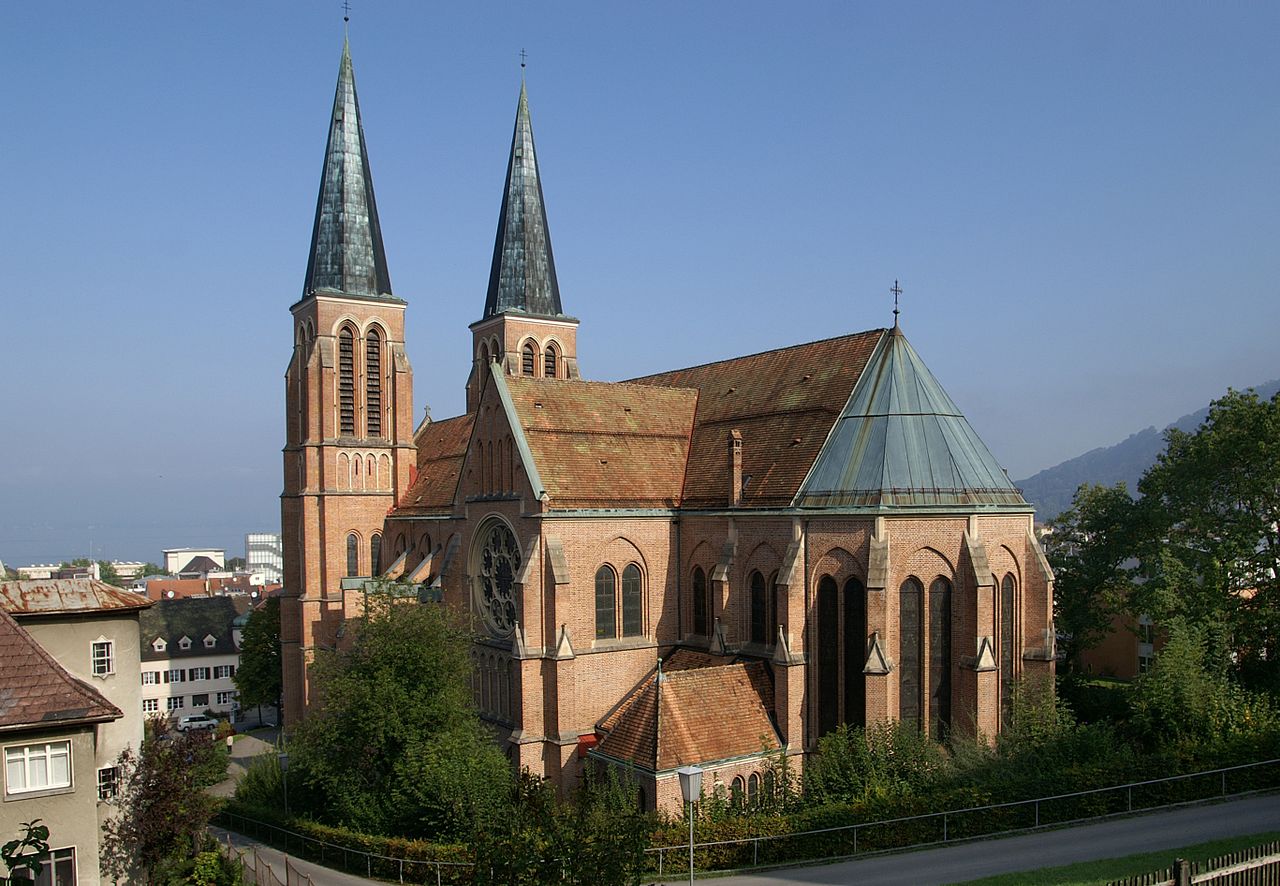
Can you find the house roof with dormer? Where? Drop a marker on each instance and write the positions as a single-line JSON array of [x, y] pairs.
[[194, 618], [37, 692]]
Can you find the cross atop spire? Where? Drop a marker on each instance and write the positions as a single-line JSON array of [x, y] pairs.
[[523, 275], [897, 291], [346, 242]]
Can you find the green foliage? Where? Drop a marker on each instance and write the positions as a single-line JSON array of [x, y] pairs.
[[162, 809], [1189, 699], [1088, 548], [108, 573], [208, 867], [27, 853], [396, 746], [887, 759], [153, 569], [599, 837], [258, 676], [262, 784]]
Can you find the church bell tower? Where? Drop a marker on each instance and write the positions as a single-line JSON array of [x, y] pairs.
[[349, 404]]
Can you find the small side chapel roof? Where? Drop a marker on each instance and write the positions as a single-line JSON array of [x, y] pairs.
[[442, 448], [901, 441], [692, 715]]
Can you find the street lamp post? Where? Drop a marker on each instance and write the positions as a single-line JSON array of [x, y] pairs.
[[283, 757], [690, 789]]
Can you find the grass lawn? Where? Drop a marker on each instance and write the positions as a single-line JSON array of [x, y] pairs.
[[1089, 873]]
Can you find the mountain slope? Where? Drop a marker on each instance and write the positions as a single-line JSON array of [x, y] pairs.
[[1052, 489]]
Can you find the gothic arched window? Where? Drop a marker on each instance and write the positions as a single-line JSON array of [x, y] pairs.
[[346, 382], [353, 554], [910, 653], [828, 655], [528, 359], [701, 621], [759, 609], [606, 589], [375, 555], [551, 362], [1008, 595], [632, 601], [939, 658], [373, 383], [855, 647]]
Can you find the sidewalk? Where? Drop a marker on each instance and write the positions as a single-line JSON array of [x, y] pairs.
[[243, 750], [320, 876]]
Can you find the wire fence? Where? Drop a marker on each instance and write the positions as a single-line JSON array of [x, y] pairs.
[[825, 844], [935, 828]]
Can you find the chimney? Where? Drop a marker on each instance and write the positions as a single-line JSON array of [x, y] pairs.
[[735, 468]]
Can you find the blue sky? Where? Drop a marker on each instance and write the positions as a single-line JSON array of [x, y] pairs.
[[1080, 199]]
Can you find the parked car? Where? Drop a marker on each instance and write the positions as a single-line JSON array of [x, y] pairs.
[[197, 721]]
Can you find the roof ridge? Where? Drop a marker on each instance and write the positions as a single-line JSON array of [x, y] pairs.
[[804, 344], [630, 384]]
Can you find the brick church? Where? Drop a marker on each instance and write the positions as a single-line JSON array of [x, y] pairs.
[[702, 566]]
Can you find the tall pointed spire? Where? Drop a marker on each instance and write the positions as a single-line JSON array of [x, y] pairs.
[[523, 276], [346, 242]]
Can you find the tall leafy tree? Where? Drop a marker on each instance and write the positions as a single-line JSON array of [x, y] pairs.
[[396, 746], [1091, 550], [258, 676], [1212, 529]]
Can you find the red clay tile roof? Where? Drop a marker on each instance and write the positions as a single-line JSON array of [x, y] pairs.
[[697, 715], [36, 691], [784, 402], [606, 444], [53, 596], [442, 448]]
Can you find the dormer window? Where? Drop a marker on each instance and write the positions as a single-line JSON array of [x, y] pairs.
[[184, 643], [159, 645], [210, 641]]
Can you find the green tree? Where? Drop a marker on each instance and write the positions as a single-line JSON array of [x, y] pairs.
[[153, 569], [162, 806], [108, 573], [258, 676], [27, 854], [396, 746], [1090, 549], [1211, 521]]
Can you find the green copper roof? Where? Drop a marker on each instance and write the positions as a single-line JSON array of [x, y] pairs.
[[523, 276], [901, 442], [346, 242]]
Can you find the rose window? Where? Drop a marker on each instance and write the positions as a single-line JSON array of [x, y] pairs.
[[499, 562]]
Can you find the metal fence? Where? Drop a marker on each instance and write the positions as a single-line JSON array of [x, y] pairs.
[[1255, 866], [258, 872], [345, 858], [931, 829]]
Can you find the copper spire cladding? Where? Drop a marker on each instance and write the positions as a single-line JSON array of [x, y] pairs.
[[346, 242], [523, 277]]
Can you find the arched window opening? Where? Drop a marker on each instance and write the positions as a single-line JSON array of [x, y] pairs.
[[550, 363], [375, 555], [373, 383], [753, 789], [855, 642], [701, 622], [910, 641], [606, 587], [346, 382], [484, 356], [759, 607], [737, 790], [632, 602], [1008, 593], [828, 655], [528, 359], [353, 555], [939, 658]]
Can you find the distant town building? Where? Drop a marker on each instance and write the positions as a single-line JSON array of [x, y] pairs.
[[264, 552], [127, 570], [190, 652], [177, 559], [88, 629]]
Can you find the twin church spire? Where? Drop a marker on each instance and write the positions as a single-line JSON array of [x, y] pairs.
[[347, 254]]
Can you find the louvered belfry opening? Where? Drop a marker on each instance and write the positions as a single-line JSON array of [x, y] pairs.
[[346, 382], [373, 383]]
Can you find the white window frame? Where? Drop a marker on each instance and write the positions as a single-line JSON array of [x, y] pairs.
[[197, 704], [228, 697], [150, 678], [159, 645], [23, 755], [224, 672], [151, 706], [102, 657], [196, 675], [184, 643], [175, 675], [210, 641], [175, 703], [108, 787]]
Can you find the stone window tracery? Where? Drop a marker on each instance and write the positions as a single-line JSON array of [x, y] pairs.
[[496, 568]]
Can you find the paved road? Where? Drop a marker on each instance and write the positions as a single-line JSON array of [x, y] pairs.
[[970, 861], [243, 750], [320, 876]]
